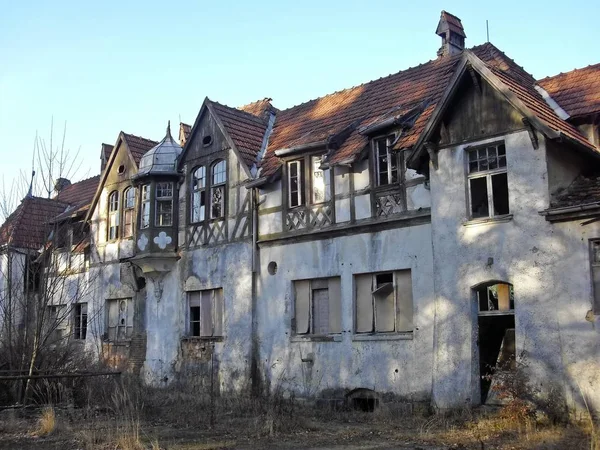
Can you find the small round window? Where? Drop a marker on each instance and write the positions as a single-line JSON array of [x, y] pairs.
[[207, 140], [121, 169]]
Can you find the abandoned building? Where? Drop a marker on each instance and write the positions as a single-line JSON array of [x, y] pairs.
[[401, 236]]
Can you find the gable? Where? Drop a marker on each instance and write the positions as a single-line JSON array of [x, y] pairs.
[[476, 110], [122, 166], [197, 147]]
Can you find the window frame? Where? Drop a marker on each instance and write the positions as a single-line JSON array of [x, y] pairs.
[[305, 195], [128, 211], [488, 175], [197, 191], [80, 332], [163, 200], [399, 159], [128, 301], [114, 201], [145, 203], [395, 286], [315, 284], [214, 293], [594, 267], [214, 185]]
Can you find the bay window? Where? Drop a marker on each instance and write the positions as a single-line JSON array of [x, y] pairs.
[[164, 204], [145, 206]]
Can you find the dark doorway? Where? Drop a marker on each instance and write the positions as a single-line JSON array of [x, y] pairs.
[[496, 334]]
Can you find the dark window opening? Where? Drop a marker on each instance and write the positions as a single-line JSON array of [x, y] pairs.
[[500, 194], [80, 329], [479, 197], [207, 140]]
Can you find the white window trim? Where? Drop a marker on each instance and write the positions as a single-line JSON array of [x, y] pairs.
[[197, 190], [162, 199], [299, 176], [488, 175], [145, 202]]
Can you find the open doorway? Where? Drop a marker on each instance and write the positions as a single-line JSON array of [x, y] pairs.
[[495, 334]]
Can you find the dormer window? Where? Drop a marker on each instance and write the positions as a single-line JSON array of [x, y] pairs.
[[295, 183], [217, 190], [128, 211], [198, 212], [387, 162], [145, 205], [113, 216], [164, 204], [318, 189]]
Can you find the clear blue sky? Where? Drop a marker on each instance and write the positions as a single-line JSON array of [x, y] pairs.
[[132, 65]]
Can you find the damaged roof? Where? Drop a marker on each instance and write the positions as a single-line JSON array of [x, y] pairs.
[[583, 191], [577, 91], [324, 118], [78, 196], [29, 225]]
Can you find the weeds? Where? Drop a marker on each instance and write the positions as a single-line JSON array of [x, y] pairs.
[[47, 422]]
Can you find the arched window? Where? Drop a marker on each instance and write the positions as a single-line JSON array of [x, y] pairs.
[[113, 215], [198, 211], [217, 189], [128, 211]]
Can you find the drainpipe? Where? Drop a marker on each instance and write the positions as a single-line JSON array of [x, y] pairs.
[[254, 371]]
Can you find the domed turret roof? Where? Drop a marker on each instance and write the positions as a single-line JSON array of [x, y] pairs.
[[162, 158]]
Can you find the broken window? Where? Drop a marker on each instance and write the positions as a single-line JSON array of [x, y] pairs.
[[488, 182], [206, 313], [384, 302], [387, 165], [296, 183], [595, 259], [198, 210], [145, 205], [217, 189], [495, 335], [120, 319], [321, 182], [57, 323], [317, 306], [113, 216], [80, 322], [164, 204], [128, 211]]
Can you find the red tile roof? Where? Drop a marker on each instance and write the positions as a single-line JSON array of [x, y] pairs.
[[245, 129], [78, 195], [107, 150], [577, 91], [29, 225], [453, 23], [138, 146], [584, 190], [325, 117]]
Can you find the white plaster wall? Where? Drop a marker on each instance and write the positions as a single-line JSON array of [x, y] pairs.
[[527, 251], [342, 210], [417, 197], [362, 206], [361, 175], [399, 366], [227, 267], [341, 180]]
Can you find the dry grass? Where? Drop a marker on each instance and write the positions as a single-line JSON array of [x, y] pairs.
[[47, 422]]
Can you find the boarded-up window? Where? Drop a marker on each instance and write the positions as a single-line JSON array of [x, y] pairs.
[[317, 306], [595, 257], [384, 302], [119, 319], [206, 313]]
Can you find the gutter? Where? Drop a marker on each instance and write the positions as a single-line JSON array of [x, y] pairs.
[[301, 148], [558, 214]]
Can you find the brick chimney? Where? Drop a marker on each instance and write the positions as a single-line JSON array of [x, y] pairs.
[[453, 35]]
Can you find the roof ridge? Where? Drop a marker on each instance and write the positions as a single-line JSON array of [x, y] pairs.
[[576, 69], [237, 110], [139, 137], [266, 99], [380, 78]]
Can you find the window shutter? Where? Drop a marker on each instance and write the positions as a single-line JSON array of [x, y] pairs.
[[206, 314], [404, 301], [302, 306], [335, 305], [384, 310], [320, 303], [364, 303], [596, 275], [218, 312]]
